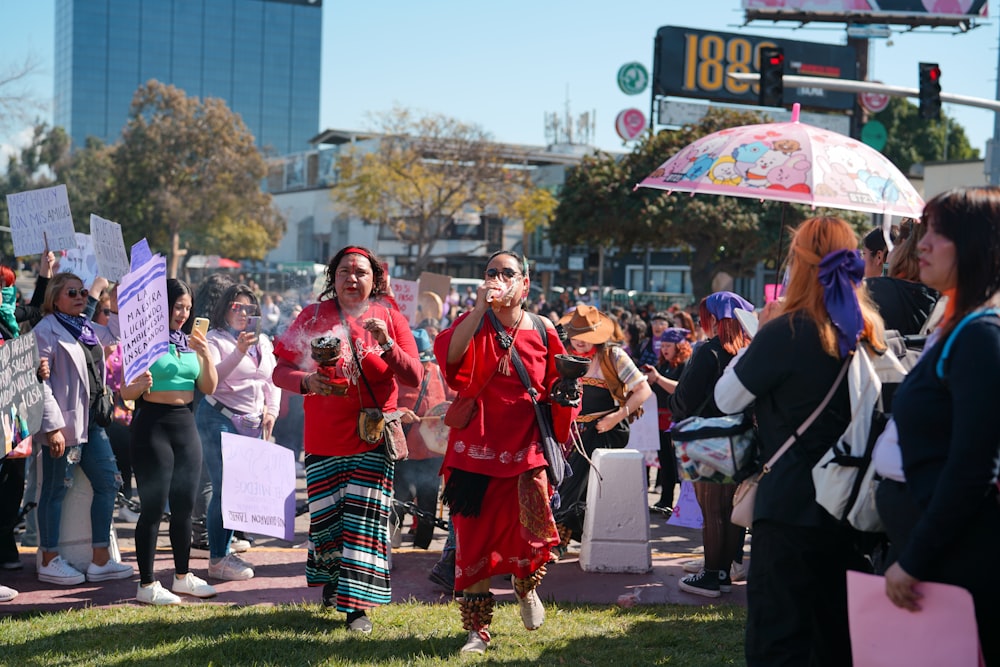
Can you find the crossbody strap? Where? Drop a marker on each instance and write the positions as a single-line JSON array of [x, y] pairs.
[[809, 420], [354, 353]]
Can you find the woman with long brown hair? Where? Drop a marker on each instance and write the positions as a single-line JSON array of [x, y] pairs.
[[796, 590]]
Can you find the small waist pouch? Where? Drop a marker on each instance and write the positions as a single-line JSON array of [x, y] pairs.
[[371, 425], [248, 425]]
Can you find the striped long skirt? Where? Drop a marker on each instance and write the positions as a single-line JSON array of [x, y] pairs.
[[349, 502]]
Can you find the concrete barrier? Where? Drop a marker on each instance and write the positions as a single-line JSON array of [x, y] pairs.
[[616, 526], [74, 530]]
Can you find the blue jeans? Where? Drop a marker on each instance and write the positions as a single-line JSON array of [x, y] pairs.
[[211, 425], [98, 463]]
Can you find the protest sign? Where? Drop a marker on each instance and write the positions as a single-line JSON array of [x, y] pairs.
[[140, 254], [438, 283], [109, 248], [81, 261], [258, 486], [21, 394], [38, 216], [644, 432], [405, 292], [144, 317]]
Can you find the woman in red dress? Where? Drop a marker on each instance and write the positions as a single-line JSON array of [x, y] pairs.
[[496, 484]]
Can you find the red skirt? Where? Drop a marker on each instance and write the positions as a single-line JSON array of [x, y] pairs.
[[512, 534]]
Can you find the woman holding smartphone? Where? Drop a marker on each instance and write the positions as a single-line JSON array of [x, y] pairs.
[[246, 402], [166, 451]]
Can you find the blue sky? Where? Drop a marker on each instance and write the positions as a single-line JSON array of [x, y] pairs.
[[504, 65]]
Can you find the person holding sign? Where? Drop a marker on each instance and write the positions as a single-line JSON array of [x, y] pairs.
[[71, 433], [346, 354], [246, 402], [166, 450]]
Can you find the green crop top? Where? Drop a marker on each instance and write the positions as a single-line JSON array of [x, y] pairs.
[[173, 372]]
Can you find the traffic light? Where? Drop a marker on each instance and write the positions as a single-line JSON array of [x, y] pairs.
[[930, 91], [772, 69]]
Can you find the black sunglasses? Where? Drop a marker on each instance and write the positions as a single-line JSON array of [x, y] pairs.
[[72, 292], [106, 311], [505, 272]]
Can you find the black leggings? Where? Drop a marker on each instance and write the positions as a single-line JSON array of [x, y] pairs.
[[166, 460]]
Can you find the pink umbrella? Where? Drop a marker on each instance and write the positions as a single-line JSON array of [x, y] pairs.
[[790, 162]]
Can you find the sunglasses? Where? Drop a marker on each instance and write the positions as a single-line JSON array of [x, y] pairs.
[[507, 273], [106, 311], [245, 308], [72, 292]]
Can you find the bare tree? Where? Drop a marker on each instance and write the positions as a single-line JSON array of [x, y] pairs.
[[18, 102]]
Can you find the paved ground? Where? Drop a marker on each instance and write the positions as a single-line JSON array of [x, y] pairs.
[[280, 576]]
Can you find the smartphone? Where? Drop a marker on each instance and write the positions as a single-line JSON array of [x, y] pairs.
[[253, 325], [201, 324]]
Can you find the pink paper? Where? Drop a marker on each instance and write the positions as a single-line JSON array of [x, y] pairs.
[[943, 632]]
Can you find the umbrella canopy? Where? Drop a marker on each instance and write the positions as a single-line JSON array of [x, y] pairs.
[[791, 162]]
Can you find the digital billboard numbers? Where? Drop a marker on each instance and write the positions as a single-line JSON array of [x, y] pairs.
[[694, 63]]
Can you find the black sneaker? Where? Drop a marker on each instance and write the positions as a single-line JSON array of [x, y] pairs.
[[704, 583], [443, 576], [725, 583]]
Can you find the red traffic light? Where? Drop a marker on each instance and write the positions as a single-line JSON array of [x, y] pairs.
[[776, 60], [934, 73]]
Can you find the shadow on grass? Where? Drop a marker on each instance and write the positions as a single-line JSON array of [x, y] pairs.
[[405, 634]]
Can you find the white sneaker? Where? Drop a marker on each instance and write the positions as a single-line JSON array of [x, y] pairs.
[[532, 611], [7, 594], [155, 595], [238, 546], [60, 572], [694, 566], [108, 571], [475, 643], [738, 571], [230, 568], [193, 586]]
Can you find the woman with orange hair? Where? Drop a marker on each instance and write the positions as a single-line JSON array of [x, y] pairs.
[[796, 590]]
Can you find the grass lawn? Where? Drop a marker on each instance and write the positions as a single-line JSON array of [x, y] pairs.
[[405, 634]]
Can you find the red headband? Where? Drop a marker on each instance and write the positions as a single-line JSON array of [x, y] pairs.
[[358, 251]]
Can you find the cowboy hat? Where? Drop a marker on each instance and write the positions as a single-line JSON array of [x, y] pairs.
[[588, 324]]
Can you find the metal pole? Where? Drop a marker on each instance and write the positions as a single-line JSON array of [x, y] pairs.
[[994, 172]]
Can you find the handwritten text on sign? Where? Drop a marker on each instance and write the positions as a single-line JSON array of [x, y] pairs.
[[19, 387], [40, 215], [143, 317], [405, 292], [258, 486]]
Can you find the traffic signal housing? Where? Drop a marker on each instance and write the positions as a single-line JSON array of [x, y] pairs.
[[772, 71], [930, 91]]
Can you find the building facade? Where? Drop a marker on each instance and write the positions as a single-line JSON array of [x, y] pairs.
[[261, 56]]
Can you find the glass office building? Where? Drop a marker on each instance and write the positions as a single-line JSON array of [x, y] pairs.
[[261, 56]]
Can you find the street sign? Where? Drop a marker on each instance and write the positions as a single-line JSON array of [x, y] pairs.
[[677, 114], [874, 102], [874, 134], [633, 78], [630, 123], [697, 63]]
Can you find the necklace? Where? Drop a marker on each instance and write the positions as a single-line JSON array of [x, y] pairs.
[[508, 336]]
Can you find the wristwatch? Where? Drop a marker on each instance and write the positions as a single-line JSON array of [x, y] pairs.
[[387, 345]]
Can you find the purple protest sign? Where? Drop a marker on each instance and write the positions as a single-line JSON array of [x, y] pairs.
[[258, 487]]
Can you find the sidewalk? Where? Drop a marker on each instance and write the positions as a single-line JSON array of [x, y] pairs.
[[280, 577]]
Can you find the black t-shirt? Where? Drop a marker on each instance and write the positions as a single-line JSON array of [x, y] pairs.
[[697, 382], [789, 374], [903, 305]]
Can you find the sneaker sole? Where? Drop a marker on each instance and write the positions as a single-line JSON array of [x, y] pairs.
[[202, 596], [110, 576], [62, 581], [704, 592], [240, 577]]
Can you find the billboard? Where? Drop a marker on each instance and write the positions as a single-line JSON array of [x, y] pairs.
[[694, 63], [910, 12]]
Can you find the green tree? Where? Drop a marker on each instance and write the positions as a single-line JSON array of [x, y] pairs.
[[427, 171], [911, 139], [187, 174]]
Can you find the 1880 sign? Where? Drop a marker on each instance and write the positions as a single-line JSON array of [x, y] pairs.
[[695, 63]]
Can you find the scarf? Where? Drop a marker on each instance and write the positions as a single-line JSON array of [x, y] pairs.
[[79, 327], [7, 310], [179, 340], [840, 273]]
